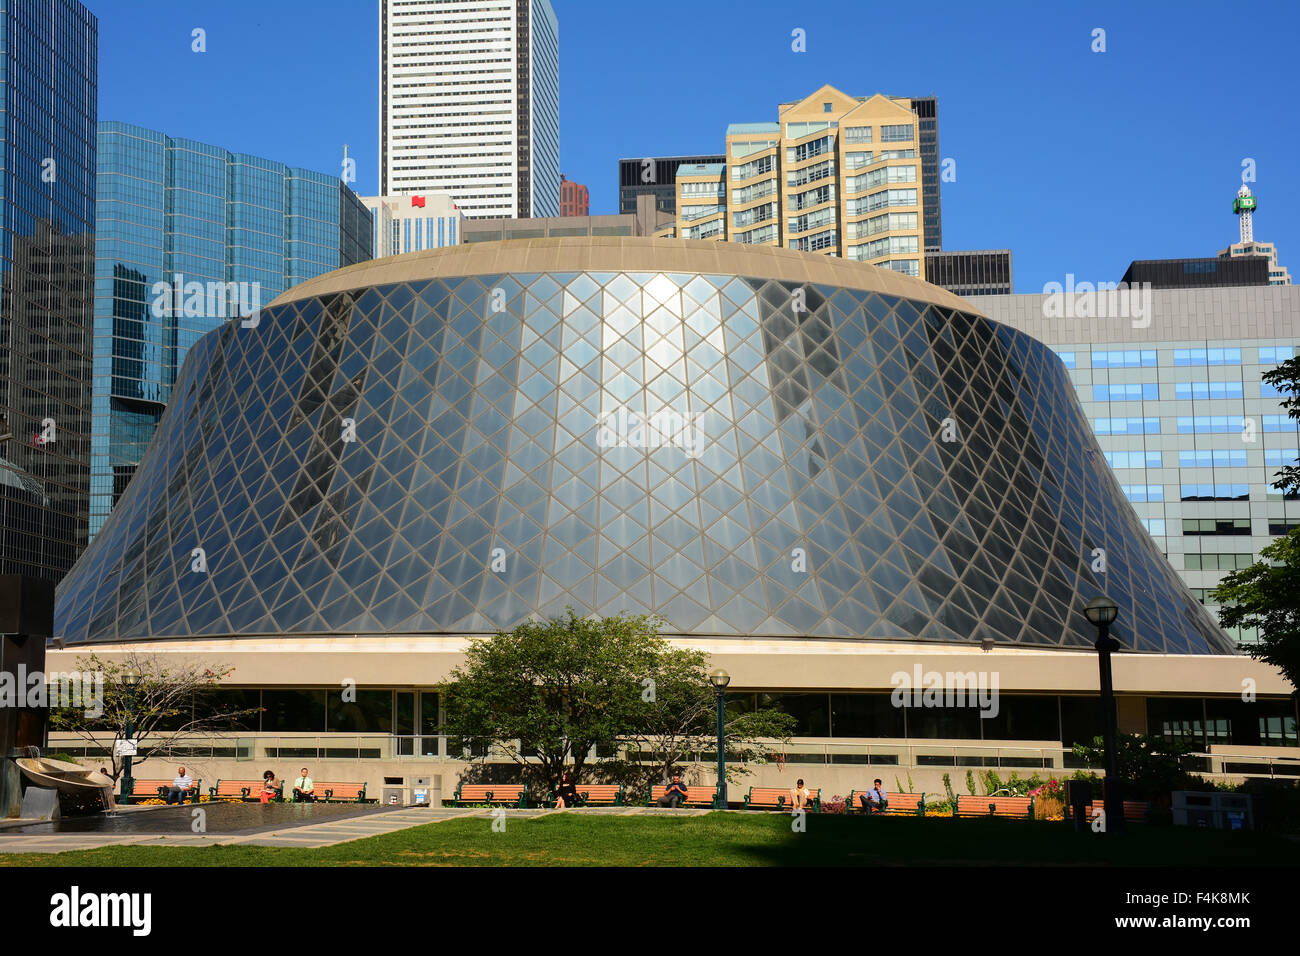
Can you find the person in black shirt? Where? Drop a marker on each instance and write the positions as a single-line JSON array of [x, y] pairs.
[[676, 793], [567, 794]]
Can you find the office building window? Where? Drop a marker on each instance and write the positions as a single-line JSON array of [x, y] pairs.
[[1130, 358], [1227, 491]]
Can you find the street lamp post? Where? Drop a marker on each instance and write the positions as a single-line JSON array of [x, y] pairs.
[[1102, 612], [132, 681], [720, 679]]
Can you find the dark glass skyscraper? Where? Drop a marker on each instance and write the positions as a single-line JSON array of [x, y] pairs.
[[180, 221], [48, 93]]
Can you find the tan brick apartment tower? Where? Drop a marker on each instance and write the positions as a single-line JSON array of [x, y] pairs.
[[837, 174]]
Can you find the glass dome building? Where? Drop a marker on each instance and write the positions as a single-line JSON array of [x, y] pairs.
[[750, 442]]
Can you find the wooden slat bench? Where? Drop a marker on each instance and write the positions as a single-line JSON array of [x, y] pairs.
[[510, 794], [157, 790], [1135, 811], [236, 790], [695, 796], [337, 792], [1020, 808], [594, 795], [912, 804], [777, 798]]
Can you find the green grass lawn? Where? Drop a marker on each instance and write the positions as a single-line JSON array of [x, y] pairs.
[[725, 840]]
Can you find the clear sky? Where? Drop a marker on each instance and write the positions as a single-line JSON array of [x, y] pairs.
[[1077, 161]]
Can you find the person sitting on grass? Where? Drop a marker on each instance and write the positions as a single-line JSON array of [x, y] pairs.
[[567, 794], [676, 793], [270, 786], [304, 791], [180, 788], [800, 796], [875, 800]]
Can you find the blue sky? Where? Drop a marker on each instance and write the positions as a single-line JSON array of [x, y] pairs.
[[1077, 161]]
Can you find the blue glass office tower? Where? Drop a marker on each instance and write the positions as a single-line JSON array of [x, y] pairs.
[[48, 92], [173, 213]]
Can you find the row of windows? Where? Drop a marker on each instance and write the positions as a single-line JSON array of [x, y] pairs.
[[890, 245], [1227, 491], [764, 164], [889, 222], [1200, 526], [704, 189], [814, 243], [1131, 392], [747, 217], [1216, 562], [1133, 459], [1207, 356], [812, 197], [1126, 426], [816, 147], [689, 213], [756, 191], [878, 177], [1224, 424], [812, 220], [1143, 492], [761, 234], [809, 174]]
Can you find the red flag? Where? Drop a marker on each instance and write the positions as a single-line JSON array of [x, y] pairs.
[[417, 201]]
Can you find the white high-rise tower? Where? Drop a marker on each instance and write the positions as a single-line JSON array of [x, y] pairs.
[[470, 104], [1244, 207]]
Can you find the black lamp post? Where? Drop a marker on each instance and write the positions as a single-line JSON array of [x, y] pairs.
[[1102, 612], [132, 681], [720, 679]]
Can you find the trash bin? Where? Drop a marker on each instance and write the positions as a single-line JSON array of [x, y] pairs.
[[420, 791], [393, 796]]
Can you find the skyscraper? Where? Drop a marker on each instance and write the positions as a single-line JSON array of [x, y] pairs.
[[469, 104], [654, 176], [574, 198], [1243, 207], [48, 87], [191, 235], [836, 174]]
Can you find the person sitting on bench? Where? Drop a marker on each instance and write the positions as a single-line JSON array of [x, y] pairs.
[[676, 793], [180, 787], [875, 800], [304, 791]]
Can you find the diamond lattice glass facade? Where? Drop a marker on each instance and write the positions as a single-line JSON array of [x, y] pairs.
[[751, 443]]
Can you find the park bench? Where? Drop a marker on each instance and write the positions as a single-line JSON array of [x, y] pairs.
[[237, 790], [156, 790], [510, 794], [1135, 811], [337, 792], [777, 798], [695, 796], [912, 804], [594, 795], [1020, 808]]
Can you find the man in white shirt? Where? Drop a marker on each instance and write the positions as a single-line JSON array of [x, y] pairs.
[[180, 788], [304, 789], [876, 799]]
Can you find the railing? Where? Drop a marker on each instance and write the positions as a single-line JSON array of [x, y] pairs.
[[259, 747]]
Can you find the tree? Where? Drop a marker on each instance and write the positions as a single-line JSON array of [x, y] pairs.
[[547, 693], [1266, 595], [168, 706], [1153, 765], [678, 719]]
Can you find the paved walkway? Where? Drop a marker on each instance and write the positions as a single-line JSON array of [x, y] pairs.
[[311, 836]]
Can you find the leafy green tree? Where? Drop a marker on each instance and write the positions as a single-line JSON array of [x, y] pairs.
[[170, 705], [1266, 595], [547, 693]]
